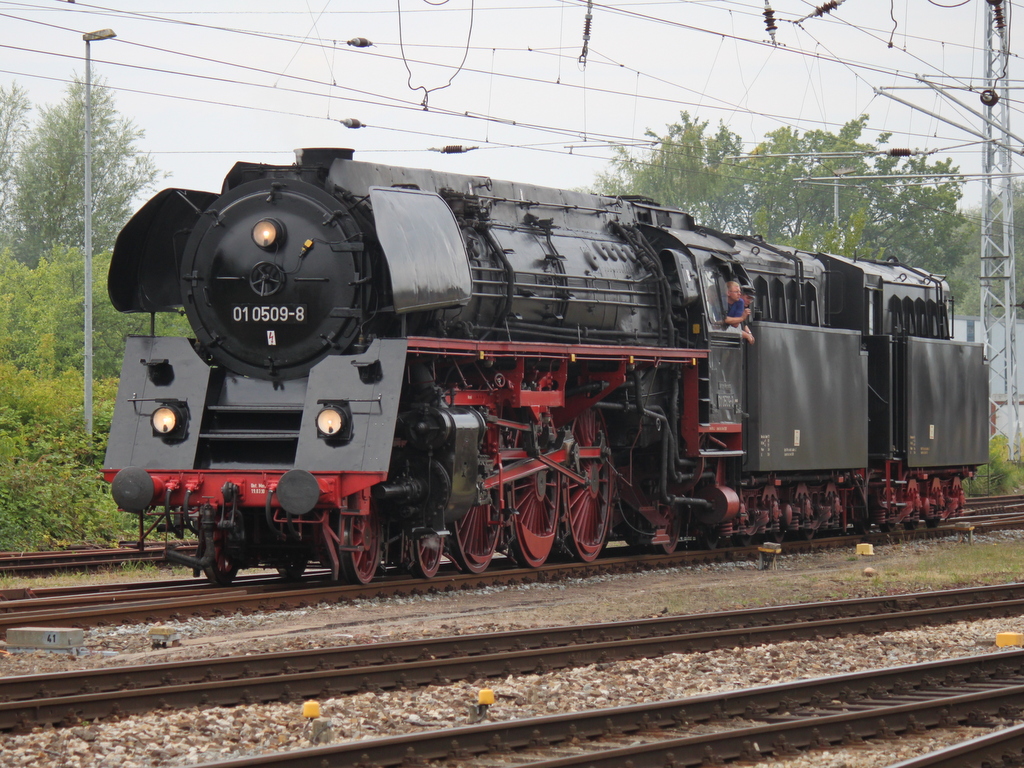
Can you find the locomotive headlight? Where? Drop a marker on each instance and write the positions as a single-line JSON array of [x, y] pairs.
[[170, 420], [334, 422], [268, 233]]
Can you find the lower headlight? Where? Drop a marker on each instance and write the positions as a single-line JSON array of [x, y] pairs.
[[334, 422], [170, 420]]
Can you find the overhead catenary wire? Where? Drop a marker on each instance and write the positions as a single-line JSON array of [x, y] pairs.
[[373, 97], [631, 94]]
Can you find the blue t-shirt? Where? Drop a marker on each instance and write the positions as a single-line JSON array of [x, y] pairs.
[[736, 308]]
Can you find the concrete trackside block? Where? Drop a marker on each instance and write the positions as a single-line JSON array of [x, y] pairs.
[[58, 639], [1007, 639], [164, 637], [865, 549]]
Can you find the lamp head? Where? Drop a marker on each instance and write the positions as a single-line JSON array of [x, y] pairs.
[[99, 34]]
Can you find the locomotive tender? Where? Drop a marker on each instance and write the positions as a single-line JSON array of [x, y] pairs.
[[392, 366]]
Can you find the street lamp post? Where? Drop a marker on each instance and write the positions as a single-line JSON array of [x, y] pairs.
[[837, 173], [89, 37]]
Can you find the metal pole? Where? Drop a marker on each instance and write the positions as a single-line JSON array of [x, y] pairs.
[[88, 239], [88, 37]]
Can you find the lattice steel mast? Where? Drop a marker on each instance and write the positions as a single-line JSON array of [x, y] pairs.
[[998, 271]]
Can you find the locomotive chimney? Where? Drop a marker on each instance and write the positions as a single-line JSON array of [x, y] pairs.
[[323, 156]]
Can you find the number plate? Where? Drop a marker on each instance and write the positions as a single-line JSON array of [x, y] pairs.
[[278, 313]]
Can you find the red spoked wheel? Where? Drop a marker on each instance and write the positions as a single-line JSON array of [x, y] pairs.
[[427, 552], [589, 505], [673, 531], [223, 569], [475, 538], [534, 502], [810, 519], [361, 537]]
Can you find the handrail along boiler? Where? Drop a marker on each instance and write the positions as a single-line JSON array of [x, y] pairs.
[[392, 366]]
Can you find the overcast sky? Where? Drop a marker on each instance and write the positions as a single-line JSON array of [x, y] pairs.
[[218, 81]]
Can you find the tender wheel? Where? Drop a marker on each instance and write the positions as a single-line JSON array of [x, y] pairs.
[[590, 505], [426, 560], [359, 565], [475, 539], [534, 500]]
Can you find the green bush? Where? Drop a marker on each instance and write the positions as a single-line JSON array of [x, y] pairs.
[[51, 490], [1000, 476]]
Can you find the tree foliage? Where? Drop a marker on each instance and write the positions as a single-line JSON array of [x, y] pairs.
[[48, 198], [14, 109], [42, 320], [687, 168], [51, 490], [766, 192]]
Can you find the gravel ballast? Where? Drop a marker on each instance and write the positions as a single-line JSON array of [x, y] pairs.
[[194, 736]]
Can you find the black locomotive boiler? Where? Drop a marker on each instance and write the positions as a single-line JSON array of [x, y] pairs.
[[395, 366]]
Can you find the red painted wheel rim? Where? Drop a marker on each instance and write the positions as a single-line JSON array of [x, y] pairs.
[[362, 531], [476, 539], [535, 499], [589, 505]]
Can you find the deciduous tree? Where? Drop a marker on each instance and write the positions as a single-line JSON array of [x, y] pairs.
[[761, 193], [49, 197], [14, 109]]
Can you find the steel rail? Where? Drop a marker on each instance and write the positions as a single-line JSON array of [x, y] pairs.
[[114, 607], [80, 559], [1001, 748], [67, 697], [553, 635], [895, 706]]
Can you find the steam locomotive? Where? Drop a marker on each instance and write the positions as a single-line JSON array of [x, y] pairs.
[[393, 367]]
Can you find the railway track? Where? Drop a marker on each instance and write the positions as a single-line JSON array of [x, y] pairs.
[[983, 509], [1001, 748], [995, 502], [746, 725], [39, 563], [149, 602], [89, 694]]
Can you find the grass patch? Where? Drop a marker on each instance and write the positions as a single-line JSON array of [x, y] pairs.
[[112, 574], [950, 565]]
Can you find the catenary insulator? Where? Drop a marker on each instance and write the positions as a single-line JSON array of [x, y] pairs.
[[359, 42], [452, 149], [828, 7], [587, 22], [997, 12], [900, 152], [351, 122], [769, 20], [821, 10]]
